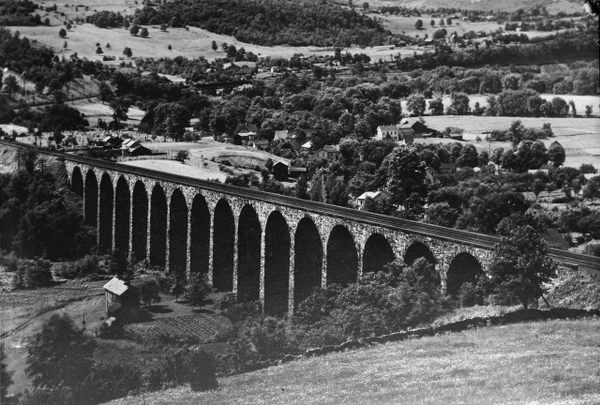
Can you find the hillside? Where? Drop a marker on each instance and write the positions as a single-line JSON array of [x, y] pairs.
[[544, 362], [270, 22], [553, 6]]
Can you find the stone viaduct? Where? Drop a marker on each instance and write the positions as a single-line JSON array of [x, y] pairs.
[[258, 245]]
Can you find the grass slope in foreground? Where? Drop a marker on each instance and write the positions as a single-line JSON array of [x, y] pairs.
[[554, 362]]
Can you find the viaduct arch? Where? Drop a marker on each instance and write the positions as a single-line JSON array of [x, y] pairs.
[[257, 245]]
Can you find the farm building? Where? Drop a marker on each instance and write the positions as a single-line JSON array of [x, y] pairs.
[[376, 196], [280, 170], [329, 152], [120, 294], [131, 147], [387, 132]]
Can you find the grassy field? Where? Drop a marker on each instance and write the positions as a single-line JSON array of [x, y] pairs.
[[554, 362], [399, 24], [553, 6], [579, 136], [190, 43]]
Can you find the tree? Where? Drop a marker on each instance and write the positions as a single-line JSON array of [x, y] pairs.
[[120, 106], [127, 52], [416, 103], [60, 354], [521, 266], [588, 111], [556, 154], [436, 106], [214, 45], [419, 24], [202, 371], [301, 190], [5, 376], [62, 33], [99, 51], [144, 32], [134, 30], [11, 85], [106, 93], [197, 290], [177, 286], [516, 132], [440, 34], [405, 173], [592, 188], [459, 104], [170, 120]]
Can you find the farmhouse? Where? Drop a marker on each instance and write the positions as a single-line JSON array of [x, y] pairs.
[[119, 294], [376, 196], [387, 132], [329, 152]]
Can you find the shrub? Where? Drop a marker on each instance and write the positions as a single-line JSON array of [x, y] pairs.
[[197, 289], [201, 369], [32, 274], [109, 381], [469, 295]]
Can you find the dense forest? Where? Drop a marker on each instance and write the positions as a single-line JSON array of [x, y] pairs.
[[270, 22], [18, 12]]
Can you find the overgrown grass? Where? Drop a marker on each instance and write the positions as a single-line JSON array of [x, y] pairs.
[[541, 362]]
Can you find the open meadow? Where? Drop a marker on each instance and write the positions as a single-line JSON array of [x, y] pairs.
[[190, 43], [579, 136], [554, 362], [553, 6]]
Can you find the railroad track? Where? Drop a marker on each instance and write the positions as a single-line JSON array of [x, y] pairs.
[[453, 235]]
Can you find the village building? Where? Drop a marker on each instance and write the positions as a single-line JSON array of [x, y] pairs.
[[329, 152], [132, 147], [377, 197], [296, 172], [120, 294], [280, 171]]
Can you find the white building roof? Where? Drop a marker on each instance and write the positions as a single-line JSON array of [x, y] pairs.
[[368, 194], [116, 286]]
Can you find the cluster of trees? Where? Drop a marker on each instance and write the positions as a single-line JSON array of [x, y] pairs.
[[199, 70], [39, 217], [105, 19], [271, 22], [64, 369], [562, 47], [18, 12]]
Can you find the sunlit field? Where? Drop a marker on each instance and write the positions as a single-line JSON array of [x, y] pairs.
[[555, 362]]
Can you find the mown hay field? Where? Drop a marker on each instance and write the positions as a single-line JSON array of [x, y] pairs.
[[554, 362]]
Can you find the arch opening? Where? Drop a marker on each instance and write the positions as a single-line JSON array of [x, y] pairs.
[[417, 250], [277, 264], [106, 213], [464, 268], [249, 234], [377, 253], [158, 226], [77, 182], [91, 199], [178, 234], [342, 258], [223, 241], [122, 216], [200, 236], [308, 259], [139, 232]]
